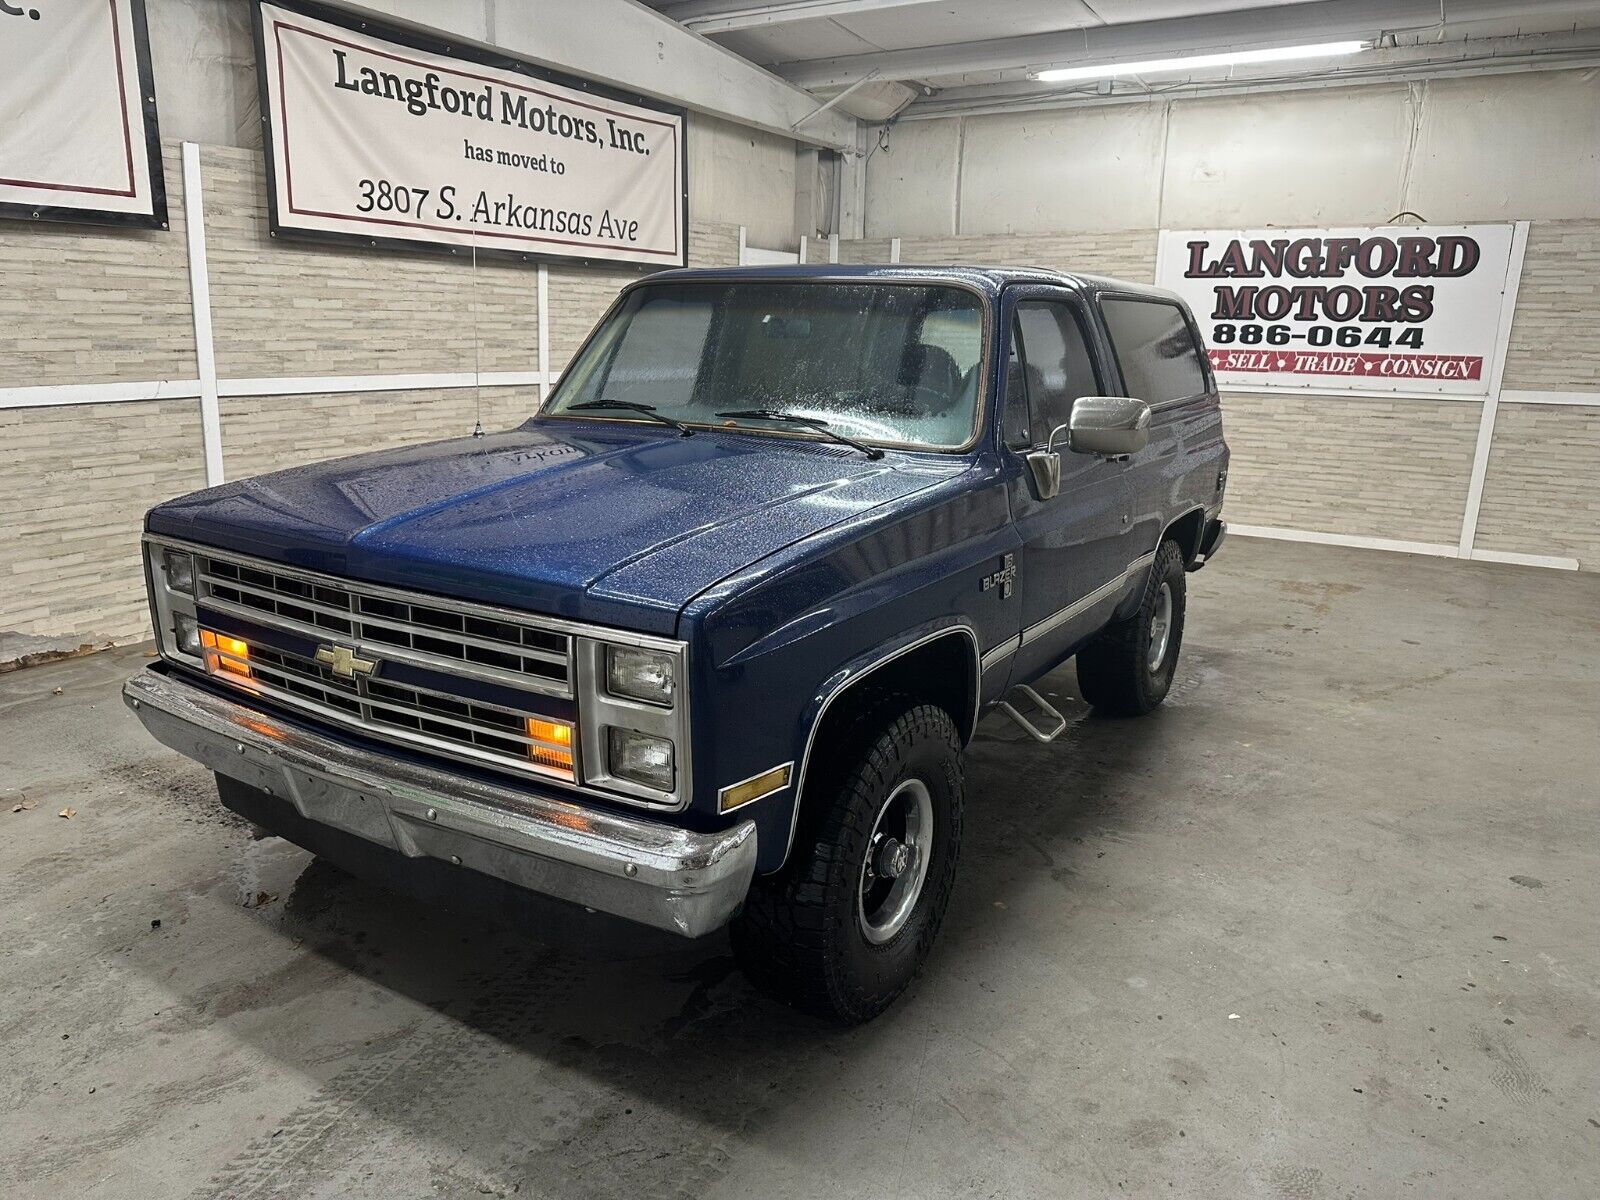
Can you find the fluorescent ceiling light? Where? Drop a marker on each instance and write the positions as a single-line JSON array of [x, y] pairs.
[[1196, 62]]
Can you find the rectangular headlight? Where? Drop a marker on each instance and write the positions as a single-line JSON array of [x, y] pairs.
[[186, 631], [649, 676], [640, 758], [178, 567]]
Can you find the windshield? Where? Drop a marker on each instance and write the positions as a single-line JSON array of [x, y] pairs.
[[880, 362]]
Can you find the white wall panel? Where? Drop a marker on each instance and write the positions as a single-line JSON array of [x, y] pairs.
[[1509, 147], [742, 176], [203, 61], [1519, 146], [1329, 157], [1093, 169], [911, 187]]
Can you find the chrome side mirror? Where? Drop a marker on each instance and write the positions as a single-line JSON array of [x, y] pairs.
[[1114, 426], [1045, 466]]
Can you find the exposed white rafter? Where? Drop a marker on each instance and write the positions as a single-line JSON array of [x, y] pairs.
[[629, 46], [1281, 25], [1402, 64], [727, 16]]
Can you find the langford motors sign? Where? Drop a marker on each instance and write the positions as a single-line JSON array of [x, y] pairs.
[[1394, 309], [78, 138], [385, 135]]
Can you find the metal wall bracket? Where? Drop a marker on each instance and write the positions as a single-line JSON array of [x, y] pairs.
[[1041, 705]]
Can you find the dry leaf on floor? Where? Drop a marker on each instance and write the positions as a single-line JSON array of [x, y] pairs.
[[262, 898], [24, 805], [68, 812]]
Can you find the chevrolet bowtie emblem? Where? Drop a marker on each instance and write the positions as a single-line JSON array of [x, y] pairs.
[[344, 663]]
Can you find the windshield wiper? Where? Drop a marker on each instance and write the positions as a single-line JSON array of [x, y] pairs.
[[648, 410], [821, 426]]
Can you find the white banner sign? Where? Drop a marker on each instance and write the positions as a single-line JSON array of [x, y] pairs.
[[78, 139], [396, 138], [1414, 308]]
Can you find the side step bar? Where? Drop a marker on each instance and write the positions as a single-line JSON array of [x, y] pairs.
[[1040, 707]]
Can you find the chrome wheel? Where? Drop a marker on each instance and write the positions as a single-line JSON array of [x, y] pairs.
[[896, 863], [1160, 627]]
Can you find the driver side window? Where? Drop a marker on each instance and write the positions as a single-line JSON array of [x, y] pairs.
[[1055, 362]]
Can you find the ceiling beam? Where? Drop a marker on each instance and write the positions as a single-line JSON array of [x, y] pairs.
[[1536, 52], [629, 46], [1281, 25], [727, 16]]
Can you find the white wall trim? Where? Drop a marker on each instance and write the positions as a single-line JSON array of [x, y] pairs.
[[1356, 541], [1491, 403], [1344, 394], [1401, 546], [312, 385], [64, 394], [194, 219], [58, 395], [1576, 399], [1556, 562]]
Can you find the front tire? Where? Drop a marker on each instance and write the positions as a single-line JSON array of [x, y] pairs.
[[848, 922], [1127, 670]]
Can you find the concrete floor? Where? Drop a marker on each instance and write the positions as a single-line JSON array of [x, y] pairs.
[[1328, 925]]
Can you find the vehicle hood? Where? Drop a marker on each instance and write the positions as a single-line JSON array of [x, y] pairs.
[[593, 521]]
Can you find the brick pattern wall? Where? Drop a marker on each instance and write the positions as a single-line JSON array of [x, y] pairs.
[[87, 304], [1555, 337], [1542, 492], [72, 500], [270, 433], [288, 308], [1374, 468]]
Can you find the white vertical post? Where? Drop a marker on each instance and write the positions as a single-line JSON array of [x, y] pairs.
[[743, 242], [544, 331], [833, 247], [194, 219], [1491, 401], [805, 245], [894, 250]]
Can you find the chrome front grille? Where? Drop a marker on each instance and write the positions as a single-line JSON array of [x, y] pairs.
[[424, 631], [414, 714]]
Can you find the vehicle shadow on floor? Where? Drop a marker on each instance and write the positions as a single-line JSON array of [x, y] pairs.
[[623, 1044]]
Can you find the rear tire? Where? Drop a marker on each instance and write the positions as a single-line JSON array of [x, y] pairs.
[[847, 923], [1127, 670]]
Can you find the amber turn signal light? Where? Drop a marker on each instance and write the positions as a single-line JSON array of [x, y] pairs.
[[225, 655], [550, 744], [739, 794]]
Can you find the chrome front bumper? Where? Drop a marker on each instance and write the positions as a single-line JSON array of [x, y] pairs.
[[656, 874]]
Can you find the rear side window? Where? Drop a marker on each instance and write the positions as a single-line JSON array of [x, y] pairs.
[[1160, 360]]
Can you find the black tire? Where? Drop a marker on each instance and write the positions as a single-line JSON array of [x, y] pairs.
[[801, 936], [1115, 673]]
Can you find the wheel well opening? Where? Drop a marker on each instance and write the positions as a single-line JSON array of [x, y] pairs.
[[940, 672], [1186, 531]]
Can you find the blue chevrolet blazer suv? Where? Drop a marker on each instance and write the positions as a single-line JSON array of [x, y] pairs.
[[701, 642]]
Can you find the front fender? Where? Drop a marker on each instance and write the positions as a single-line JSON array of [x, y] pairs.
[[773, 654]]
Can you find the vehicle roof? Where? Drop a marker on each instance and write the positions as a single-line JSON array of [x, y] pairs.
[[987, 279]]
